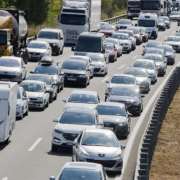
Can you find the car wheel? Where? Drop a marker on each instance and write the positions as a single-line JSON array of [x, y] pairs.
[[54, 148], [62, 51], [55, 97], [62, 86], [118, 55], [47, 104], [129, 51], [58, 52], [27, 111], [7, 141], [43, 108], [85, 84], [51, 98]]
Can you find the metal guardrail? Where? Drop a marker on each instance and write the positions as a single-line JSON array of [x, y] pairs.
[[114, 19], [148, 141]]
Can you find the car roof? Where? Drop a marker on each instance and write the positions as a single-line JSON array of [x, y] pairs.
[[80, 110], [11, 57], [142, 60], [111, 104], [84, 92], [137, 68], [99, 130], [91, 34], [34, 81], [36, 75], [51, 30], [99, 54], [83, 165]]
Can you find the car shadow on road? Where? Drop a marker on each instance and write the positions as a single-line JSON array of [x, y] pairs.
[[121, 138], [61, 152], [3, 146]]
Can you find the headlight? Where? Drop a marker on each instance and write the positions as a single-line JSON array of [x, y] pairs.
[[58, 131], [83, 152], [82, 76], [40, 98], [118, 154], [17, 106], [55, 44], [122, 124], [136, 103]]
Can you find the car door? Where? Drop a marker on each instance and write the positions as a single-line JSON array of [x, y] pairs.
[[54, 86], [23, 69]]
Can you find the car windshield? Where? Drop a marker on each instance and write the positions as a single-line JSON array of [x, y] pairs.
[[175, 13], [166, 48], [37, 46], [123, 21], [9, 62], [80, 174], [47, 80], [48, 35], [133, 4], [154, 58], [120, 36], [83, 98], [96, 57], [77, 118], [127, 32], [160, 21], [18, 94], [88, 45], [107, 139], [136, 72], [154, 52], [143, 64], [136, 31], [107, 28], [150, 5], [74, 65], [125, 92], [109, 47], [73, 19], [111, 110], [146, 23], [113, 41], [165, 18], [50, 70], [153, 44], [33, 87], [122, 80], [175, 39]]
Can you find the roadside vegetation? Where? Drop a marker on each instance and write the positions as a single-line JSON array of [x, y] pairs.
[[166, 160]]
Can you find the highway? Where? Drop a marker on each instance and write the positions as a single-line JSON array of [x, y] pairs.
[[28, 156]]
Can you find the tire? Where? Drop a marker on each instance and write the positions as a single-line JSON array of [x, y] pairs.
[[51, 98], [47, 104], [85, 84], [43, 108], [58, 52], [62, 87], [62, 51], [55, 98], [118, 55], [7, 141], [27, 112], [54, 148], [129, 51]]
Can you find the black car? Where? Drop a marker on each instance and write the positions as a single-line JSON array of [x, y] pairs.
[[130, 96], [50, 84], [77, 72], [52, 69]]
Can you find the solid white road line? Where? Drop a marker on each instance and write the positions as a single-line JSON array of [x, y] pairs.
[[121, 66], [140, 120], [35, 144], [104, 79], [135, 57], [5, 178]]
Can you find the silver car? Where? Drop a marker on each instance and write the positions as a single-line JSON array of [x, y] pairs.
[[118, 79], [161, 63], [150, 66], [166, 21], [151, 44], [174, 41], [117, 44], [12, 69], [99, 146], [99, 62], [115, 117], [174, 16], [170, 55], [123, 24], [142, 77]]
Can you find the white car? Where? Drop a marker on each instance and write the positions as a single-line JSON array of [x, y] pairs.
[[38, 49], [125, 41], [99, 62], [82, 99], [71, 123], [174, 16], [12, 69], [37, 93], [174, 41], [22, 107]]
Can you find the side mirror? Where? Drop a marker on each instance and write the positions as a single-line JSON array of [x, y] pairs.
[[73, 48], [35, 36], [64, 100], [52, 178], [75, 143], [107, 81], [123, 146], [100, 123], [142, 95], [31, 72], [55, 120], [129, 114]]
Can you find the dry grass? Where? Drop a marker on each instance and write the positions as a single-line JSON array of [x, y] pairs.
[[166, 160]]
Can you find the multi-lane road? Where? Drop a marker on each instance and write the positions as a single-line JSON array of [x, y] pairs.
[[28, 156]]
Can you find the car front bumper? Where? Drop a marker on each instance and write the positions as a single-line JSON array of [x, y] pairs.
[[99, 70], [36, 104], [74, 80]]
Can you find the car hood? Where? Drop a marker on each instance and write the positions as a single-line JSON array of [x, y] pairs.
[[123, 98], [113, 119], [94, 151], [123, 41], [98, 64], [72, 128], [9, 69], [51, 41], [34, 94], [73, 71], [79, 105], [172, 43], [141, 79], [150, 71], [36, 50], [19, 101], [106, 31]]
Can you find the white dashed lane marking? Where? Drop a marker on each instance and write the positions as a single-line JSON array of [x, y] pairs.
[[35, 144]]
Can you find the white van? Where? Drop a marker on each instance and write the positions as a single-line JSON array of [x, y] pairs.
[[150, 21], [8, 99], [54, 37]]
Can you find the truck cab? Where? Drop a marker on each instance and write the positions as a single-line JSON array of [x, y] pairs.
[[133, 8]]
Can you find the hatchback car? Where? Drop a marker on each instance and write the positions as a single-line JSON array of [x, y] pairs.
[[12, 69], [99, 62], [166, 21], [37, 94], [174, 16], [38, 49], [161, 24], [99, 146], [129, 96], [174, 41], [123, 24], [86, 99], [170, 55], [115, 117], [112, 51], [156, 51], [22, 107], [50, 84], [71, 123], [151, 44], [77, 72]]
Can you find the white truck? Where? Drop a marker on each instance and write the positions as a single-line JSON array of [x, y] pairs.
[[79, 16], [8, 99]]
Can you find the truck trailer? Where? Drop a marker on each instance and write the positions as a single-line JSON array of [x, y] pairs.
[[79, 16]]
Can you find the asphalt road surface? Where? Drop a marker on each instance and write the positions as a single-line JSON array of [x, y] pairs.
[[28, 156]]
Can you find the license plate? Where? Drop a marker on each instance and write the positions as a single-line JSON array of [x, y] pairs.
[[70, 143], [71, 79], [109, 128], [34, 56]]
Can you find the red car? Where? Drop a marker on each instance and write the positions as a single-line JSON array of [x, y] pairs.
[[137, 34], [108, 30], [112, 51]]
